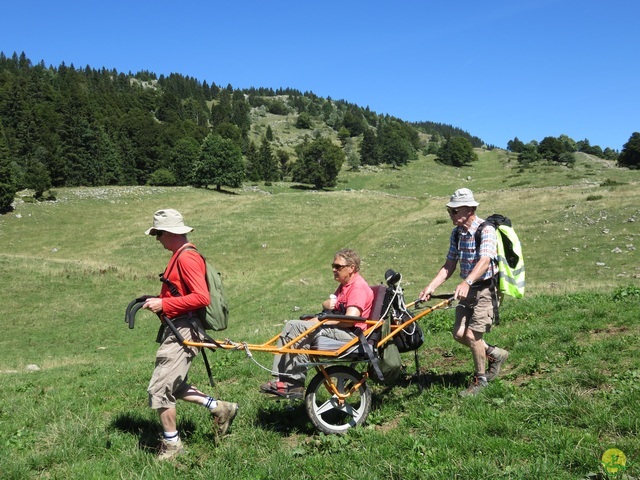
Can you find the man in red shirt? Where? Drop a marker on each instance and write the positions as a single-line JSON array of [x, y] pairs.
[[190, 293], [353, 297]]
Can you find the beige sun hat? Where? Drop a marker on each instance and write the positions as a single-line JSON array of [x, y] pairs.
[[168, 220], [463, 197]]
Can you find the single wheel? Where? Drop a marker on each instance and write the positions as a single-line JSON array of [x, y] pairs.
[[327, 412]]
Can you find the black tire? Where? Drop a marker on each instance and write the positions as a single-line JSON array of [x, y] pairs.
[[324, 409]]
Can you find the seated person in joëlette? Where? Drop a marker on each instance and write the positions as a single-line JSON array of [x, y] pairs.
[[353, 297]]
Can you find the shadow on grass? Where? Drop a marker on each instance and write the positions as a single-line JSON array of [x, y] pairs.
[[304, 187], [6, 209], [285, 416], [448, 380], [221, 190], [426, 380], [148, 431], [290, 416], [414, 385]]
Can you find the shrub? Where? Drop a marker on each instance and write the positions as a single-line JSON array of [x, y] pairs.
[[304, 121], [162, 178], [611, 183], [567, 158], [278, 107], [456, 151], [630, 292]]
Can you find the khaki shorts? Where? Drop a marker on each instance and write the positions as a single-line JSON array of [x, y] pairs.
[[476, 311], [169, 379]]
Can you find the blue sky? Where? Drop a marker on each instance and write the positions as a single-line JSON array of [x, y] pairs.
[[497, 69]]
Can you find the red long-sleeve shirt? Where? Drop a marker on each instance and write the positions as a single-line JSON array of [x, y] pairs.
[[193, 281]]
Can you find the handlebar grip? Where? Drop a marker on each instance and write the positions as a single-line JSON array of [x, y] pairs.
[[128, 311], [132, 313], [133, 307]]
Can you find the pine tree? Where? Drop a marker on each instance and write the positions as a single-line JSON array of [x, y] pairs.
[[630, 154], [369, 150], [7, 184], [170, 108], [283, 160], [183, 159], [240, 112], [37, 178], [253, 163], [268, 162], [395, 147], [515, 145], [222, 111]]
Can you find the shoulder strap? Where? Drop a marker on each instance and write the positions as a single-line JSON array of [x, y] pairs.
[[175, 260], [456, 238], [165, 278], [478, 235], [188, 247]]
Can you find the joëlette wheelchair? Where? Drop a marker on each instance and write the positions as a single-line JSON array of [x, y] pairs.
[[337, 397]]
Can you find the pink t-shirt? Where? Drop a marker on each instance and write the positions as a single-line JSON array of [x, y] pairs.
[[356, 293]]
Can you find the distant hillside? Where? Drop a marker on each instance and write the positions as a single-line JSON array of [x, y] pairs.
[[85, 126], [444, 130], [66, 126]]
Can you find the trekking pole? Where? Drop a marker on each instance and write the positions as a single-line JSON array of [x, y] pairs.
[[180, 339]]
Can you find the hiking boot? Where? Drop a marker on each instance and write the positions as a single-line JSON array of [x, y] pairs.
[[224, 414], [496, 358], [477, 384], [167, 450]]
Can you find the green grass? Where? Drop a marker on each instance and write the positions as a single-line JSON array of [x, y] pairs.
[[568, 392]]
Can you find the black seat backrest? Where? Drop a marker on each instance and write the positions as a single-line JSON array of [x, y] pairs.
[[379, 292]]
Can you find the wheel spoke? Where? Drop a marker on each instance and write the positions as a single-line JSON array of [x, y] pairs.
[[334, 413], [334, 404]]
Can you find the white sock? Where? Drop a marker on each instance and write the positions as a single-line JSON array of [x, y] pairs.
[[171, 436], [211, 403]]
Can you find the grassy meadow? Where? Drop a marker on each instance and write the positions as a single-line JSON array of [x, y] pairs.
[[569, 391]]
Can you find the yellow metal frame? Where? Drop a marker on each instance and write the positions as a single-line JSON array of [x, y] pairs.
[[271, 345]]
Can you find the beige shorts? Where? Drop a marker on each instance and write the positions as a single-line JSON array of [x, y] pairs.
[[169, 379], [476, 311]]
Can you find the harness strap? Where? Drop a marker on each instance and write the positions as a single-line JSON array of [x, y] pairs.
[[494, 300], [172, 287], [370, 353]]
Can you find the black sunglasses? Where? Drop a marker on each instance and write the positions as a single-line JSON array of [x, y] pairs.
[[337, 266], [158, 233], [453, 211]]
